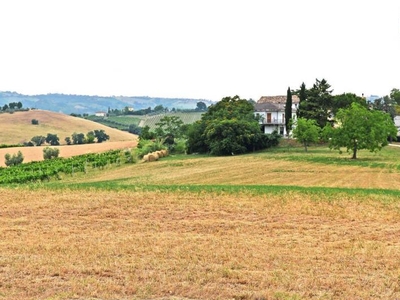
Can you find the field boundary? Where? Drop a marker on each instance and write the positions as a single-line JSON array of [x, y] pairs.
[[224, 189]]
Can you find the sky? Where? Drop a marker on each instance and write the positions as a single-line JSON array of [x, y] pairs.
[[199, 49]]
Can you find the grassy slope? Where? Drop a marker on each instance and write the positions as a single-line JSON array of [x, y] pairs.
[[280, 224], [284, 166], [17, 127], [187, 118]]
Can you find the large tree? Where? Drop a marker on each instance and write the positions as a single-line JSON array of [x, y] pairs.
[[52, 139], [101, 136], [345, 100], [78, 138], [168, 129], [385, 104], [288, 111], [228, 127], [201, 106], [395, 95], [302, 94], [169, 126], [361, 128], [318, 104]]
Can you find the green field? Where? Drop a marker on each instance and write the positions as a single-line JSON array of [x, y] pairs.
[[123, 122], [186, 117], [276, 224]]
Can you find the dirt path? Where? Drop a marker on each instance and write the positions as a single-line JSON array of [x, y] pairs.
[[36, 153]]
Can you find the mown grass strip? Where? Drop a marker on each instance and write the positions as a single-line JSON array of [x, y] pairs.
[[116, 185]]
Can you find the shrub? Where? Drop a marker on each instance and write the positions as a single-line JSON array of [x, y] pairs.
[[35, 122], [49, 153], [130, 156], [148, 146], [14, 160], [179, 147]]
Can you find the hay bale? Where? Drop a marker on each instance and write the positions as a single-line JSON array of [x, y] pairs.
[[145, 158], [160, 153], [156, 155], [153, 157], [165, 152]]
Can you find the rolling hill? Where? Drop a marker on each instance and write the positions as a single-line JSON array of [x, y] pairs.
[[84, 104], [17, 127]]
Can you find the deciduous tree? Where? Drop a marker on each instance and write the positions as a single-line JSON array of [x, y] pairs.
[[228, 127], [201, 106], [306, 131], [101, 136], [38, 140], [361, 128], [78, 138], [52, 139]]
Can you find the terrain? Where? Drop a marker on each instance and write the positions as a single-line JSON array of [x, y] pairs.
[[18, 128], [84, 104], [277, 224]]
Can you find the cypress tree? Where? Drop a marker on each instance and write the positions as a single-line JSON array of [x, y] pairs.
[[302, 99], [288, 111]]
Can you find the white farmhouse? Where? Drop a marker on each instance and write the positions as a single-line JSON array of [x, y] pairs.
[[397, 124], [272, 112], [100, 114]]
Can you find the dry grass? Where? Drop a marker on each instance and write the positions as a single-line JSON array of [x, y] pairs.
[[36, 153], [67, 244], [249, 169], [20, 129]]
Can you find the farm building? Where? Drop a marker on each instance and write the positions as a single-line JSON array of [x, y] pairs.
[[272, 112], [100, 114]]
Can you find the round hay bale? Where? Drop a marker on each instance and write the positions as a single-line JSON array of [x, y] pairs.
[[145, 158], [153, 157], [160, 153], [165, 152]]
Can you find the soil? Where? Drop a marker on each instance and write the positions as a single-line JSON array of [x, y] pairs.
[[36, 153]]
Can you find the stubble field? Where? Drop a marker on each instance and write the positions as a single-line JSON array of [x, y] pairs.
[[274, 225]]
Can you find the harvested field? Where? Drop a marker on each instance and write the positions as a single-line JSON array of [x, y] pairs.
[[250, 170], [36, 153], [76, 244], [19, 128]]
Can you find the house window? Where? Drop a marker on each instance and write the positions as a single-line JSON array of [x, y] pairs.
[[269, 117]]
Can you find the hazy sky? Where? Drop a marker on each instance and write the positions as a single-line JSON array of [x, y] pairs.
[[203, 49]]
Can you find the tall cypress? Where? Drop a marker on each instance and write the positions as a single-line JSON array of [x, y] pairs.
[[288, 111], [302, 99]]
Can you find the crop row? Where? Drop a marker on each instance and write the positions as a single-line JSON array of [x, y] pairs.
[[53, 168]]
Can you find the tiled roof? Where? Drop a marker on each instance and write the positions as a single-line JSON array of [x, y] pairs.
[[278, 99], [265, 106]]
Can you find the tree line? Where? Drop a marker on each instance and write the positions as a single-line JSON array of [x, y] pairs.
[[200, 106], [345, 120], [228, 127], [98, 136], [11, 106]]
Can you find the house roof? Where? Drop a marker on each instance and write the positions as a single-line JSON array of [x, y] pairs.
[[278, 99], [274, 103], [265, 106]]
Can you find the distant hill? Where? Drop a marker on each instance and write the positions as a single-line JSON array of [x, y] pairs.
[[17, 128], [82, 104]]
